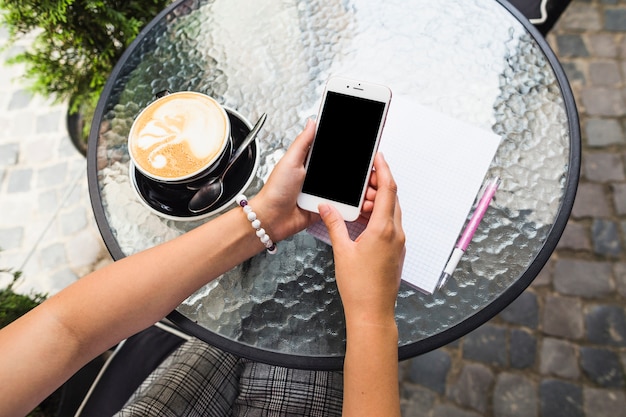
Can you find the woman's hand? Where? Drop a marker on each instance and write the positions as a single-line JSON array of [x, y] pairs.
[[368, 269], [275, 204], [368, 277]]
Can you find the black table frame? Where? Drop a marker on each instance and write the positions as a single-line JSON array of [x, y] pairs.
[[405, 352]]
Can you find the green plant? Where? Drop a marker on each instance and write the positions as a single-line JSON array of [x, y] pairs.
[[14, 305], [76, 43]]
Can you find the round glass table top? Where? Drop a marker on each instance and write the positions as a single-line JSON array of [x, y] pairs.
[[478, 62]]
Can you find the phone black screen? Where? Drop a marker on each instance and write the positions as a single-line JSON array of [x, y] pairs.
[[345, 139]]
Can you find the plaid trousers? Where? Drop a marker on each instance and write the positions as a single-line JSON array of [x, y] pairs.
[[200, 380]]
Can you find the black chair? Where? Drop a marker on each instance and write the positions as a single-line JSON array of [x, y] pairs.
[[543, 14]]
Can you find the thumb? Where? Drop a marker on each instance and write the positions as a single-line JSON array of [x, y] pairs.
[[337, 229]]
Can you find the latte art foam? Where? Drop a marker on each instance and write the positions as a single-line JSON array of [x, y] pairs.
[[179, 135]]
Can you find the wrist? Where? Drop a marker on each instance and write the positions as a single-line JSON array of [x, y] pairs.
[[363, 319], [267, 215], [257, 225], [368, 330]]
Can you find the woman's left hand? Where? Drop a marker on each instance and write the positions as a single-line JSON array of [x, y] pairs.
[[275, 204]]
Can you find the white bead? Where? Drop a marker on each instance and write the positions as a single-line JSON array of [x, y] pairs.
[[256, 224]]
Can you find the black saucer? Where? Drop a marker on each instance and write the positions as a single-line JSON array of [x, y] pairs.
[[171, 200]]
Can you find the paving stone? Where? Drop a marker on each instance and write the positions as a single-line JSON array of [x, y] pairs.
[[523, 311], [431, 370], [83, 249], [66, 147], [559, 358], [11, 238], [571, 45], [602, 101], [20, 99], [587, 279], [523, 349], [581, 17], [49, 122], [574, 73], [606, 325], [486, 344], [603, 167], [58, 281], [603, 45], [52, 255], [52, 175], [575, 237], [603, 132], [602, 366], [72, 221], [9, 153], [560, 399], [37, 152], [605, 73], [19, 180], [562, 316], [606, 238], [472, 387], [514, 396], [619, 271], [619, 198], [591, 201], [451, 411], [615, 20], [604, 403], [48, 199], [77, 194], [415, 400]]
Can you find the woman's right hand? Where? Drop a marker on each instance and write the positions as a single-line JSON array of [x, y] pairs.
[[368, 269]]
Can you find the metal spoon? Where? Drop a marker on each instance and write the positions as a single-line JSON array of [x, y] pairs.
[[212, 190]]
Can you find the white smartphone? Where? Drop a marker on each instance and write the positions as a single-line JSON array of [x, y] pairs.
[[350, 124]]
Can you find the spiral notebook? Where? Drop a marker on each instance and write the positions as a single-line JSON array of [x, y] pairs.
[[439, 164]]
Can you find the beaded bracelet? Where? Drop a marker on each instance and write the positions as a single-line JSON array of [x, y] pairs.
[[256, 224]]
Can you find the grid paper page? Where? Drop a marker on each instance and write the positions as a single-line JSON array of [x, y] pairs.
[[439, 164]]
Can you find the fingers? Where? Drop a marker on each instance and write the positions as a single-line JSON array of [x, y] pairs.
[[300, 146], [337, 229], [386, 192]]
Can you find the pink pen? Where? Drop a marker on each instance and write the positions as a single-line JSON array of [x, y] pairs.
[[468, 233]]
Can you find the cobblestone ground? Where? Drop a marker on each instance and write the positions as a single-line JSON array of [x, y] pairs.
[[560, 348], [47, 229]]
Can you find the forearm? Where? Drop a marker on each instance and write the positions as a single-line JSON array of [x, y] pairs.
[[371, 371], [48, 345], [136, 291]]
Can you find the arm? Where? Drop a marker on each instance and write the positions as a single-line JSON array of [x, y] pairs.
[[368, 277], [41, 350]]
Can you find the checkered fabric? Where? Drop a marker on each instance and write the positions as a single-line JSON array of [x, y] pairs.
[[201, 380]]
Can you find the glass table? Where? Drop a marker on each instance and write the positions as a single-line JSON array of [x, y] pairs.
[[478, 61]]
